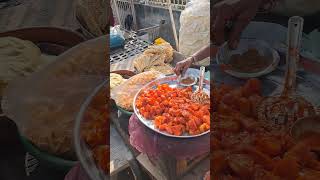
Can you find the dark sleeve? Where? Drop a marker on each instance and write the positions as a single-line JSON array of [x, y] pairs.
[[111, 18]]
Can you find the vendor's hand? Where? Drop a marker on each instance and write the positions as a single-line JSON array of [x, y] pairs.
[[182, 66], [239, 12]]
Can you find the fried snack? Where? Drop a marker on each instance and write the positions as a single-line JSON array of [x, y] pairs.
[[245, 148], [165, 69], [125, 93], [115, 80], [96, 130], [141, 62], [101, 155], [86, 62], [164, 48], [18, 58], [155, 57], [146, 61], [125, 101], [143, 78], [173, 110]]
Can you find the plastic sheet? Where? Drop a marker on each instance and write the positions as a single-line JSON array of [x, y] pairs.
[[154, 144], [116, 37], [194, 31], [44, 104]]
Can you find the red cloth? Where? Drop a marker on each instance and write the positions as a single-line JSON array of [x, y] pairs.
[[153, 144]]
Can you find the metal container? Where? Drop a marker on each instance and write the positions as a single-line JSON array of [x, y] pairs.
[[173, 82], [82, 149], [224, 55]]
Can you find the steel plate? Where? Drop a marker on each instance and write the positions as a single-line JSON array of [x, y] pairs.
[[172, 81]]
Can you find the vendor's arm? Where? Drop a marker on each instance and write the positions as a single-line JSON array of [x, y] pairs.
[[182, 66], [240, 13]]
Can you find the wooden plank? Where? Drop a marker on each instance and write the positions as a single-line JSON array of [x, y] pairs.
[[124, 135], [153, 171], [197, 172], [193, 163], [119, 153]]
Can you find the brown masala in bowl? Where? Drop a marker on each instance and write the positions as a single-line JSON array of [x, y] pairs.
[[248, 62], [187, 80]]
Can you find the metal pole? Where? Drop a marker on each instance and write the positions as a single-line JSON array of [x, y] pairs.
[[173, 26]]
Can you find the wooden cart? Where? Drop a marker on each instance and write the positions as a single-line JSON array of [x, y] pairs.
[[167, 168]]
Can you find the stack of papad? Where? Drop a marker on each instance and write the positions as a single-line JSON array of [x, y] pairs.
[[156, 57]]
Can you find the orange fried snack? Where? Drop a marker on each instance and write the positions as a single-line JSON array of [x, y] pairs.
[[101, 155], [96, 130], [173, 111], [242, 147]]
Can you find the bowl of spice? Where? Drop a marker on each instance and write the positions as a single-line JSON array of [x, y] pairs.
[[252, 58], [188, 81]]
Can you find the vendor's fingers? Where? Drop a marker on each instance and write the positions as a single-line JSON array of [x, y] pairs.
[[218, 27], [177, 69], [237, 29], [224, 13], [185, 68]]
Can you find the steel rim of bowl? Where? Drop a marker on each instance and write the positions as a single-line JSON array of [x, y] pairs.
[[267, 70], [140, 117], [124, 111], [77, 136]]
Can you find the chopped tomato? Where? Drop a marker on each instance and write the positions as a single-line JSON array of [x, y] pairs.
[[173, 111]]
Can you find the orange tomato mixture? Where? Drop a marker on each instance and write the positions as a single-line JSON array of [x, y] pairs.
[[96, 131], [243, 148], [173, 111]]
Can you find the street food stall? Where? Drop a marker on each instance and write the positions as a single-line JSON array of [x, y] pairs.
[[129, 74], [144, 64]]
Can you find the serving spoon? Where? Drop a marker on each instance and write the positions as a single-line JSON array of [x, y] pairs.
[[199, 96], [281, 111]]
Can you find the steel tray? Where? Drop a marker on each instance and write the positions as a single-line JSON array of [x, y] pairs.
[[172, 81]]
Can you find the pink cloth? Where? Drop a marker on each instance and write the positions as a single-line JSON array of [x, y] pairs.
[[153, 144], [77, 173]]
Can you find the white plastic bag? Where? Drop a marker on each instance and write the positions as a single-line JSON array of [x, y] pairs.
[[114, 31], [194, 31]]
